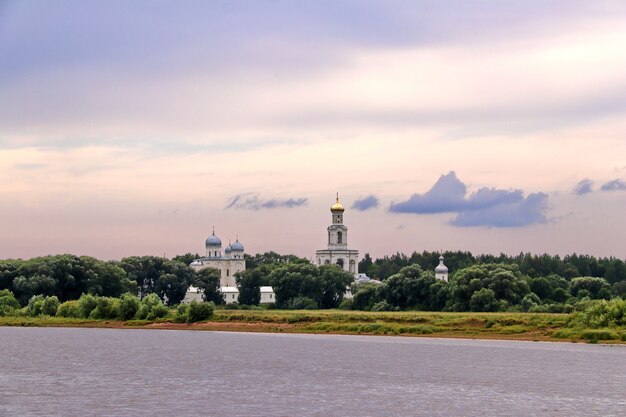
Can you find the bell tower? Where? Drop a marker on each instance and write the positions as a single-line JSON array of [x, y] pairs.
[[337, 251], [337, 231]]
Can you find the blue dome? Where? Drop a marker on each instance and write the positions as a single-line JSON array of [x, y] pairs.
[[213, 241], [227, 250], [237, 246]]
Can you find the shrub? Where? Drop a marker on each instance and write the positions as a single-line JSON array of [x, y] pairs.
[[69, 309], [86, 304], [600, 314], [346, 304], [302, 303], [157, 312], [529, 301], [199, 311], [35, 305], [50, 306], [8, 303], [127, 307], [106, 308], [383, 306], [181, 313]]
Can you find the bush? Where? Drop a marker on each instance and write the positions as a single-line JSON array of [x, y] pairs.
[[127, 307], [181, 313], [302, 303], [601, 314], [199, 311], [87, 303], [346, 304], [383, 306], [106, 308], [157, 312], [529, 301], [35, 305], [8, 303], [484, 300], [50, 306], [69, 309]]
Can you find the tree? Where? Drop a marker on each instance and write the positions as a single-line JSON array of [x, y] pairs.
[[366, 295], [153, 274], [208, 280], [592, 287], [187, 258], [8, 303], [333, 284], [551, 288], [128, 306], [272, 258], [295, 280], [484, 300], [506, 283], [249, 283]]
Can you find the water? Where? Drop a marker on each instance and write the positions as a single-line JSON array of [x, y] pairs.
[[108, 372]]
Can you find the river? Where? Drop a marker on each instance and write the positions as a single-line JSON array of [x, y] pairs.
[[110, 372]]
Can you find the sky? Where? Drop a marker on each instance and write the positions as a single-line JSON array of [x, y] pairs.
[[134, 128]]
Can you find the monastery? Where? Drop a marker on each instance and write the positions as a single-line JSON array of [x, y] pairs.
[[231, 260]]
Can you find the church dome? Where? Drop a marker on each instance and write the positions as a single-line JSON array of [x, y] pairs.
[[337, 207], [237, 246], [213, 240], [441, 268], [228, 249]]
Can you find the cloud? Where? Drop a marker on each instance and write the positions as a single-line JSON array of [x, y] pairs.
[[252, 201], [530, 210], [447, 195], [485, 207], [615, 185], [366, 203], [584, 187]]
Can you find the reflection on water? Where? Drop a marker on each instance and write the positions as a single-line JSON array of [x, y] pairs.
[[108, 372]]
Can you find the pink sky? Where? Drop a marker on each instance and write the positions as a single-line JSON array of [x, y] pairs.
[[129, 129]]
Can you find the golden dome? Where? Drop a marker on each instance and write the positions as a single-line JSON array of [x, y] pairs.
[[337, 206]]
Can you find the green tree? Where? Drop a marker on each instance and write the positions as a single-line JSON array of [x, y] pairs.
[[127, 307], [8, 303], [186, 259], [593, 287], [333, 283], [208, 280], [484, 300], [366, 295], [295, 280], [249, 283], [199, 311], [506, 283]]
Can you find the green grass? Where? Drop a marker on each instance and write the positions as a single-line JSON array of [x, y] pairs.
[[518, 326]]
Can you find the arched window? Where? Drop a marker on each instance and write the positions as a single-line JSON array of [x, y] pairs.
[[339, 237], [326, 262], [340, 262]]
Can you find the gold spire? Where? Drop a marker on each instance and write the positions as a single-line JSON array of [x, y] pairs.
[[337, 206]]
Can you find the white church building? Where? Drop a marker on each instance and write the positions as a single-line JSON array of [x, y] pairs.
[[229, 262]]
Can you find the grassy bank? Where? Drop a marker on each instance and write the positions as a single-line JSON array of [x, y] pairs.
[[509, 326]]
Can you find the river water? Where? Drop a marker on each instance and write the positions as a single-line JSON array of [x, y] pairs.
[[109, 372]]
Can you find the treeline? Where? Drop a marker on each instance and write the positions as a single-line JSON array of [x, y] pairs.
[[481, 287], [67, 277], [568, 267]]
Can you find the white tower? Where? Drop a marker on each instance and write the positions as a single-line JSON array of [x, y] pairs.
[[441, 272], [337, 251]]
